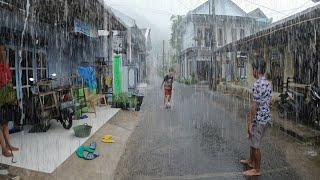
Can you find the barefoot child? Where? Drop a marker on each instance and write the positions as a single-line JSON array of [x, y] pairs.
[[259, 118], [168, 82]]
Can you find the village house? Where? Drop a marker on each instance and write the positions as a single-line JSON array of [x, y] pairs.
[[55, 37], [210, 26], [133, 51], [288, 53]]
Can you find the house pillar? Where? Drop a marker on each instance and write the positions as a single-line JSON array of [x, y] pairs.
[[288, 64], [266, 55]]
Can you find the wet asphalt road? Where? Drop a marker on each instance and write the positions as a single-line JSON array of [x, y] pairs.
[[198, 139]]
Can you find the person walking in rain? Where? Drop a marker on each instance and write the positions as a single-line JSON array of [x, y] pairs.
[[259, 119], [168, 83]]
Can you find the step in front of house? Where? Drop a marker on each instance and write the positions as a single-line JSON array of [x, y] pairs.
[[290, 127], [301, 132], [312, 137]]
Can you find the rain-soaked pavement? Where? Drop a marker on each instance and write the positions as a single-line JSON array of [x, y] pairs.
[[197, 139]]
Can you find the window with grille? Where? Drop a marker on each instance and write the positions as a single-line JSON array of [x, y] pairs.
[[208, 37], [199, 37], [234, 34], [220, 37], [41, 60], [243, 72], [242, 33], [27, 71]]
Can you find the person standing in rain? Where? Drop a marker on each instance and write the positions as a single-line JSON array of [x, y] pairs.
[[7, 100], [168, 82], [259, 119]]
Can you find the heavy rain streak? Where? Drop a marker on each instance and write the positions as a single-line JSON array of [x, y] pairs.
[[170, 89]]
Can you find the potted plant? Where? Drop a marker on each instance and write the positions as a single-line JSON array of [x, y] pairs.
[[117, 101], [126, 100], [138, 100], [133, 102]]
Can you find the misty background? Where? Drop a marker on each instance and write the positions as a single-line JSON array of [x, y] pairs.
[[156, 14]]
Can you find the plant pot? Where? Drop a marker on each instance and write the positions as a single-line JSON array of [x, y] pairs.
[[125, 106], [116, 105], [82, 131], [139, 97]]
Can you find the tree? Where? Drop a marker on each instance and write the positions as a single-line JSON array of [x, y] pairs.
[[175, 40]]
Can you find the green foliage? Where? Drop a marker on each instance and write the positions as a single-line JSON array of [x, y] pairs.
[[133, 102], [125, 99], [7, 95], [175, 40], [188, 81]]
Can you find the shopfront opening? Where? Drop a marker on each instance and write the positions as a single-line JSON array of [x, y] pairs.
[[33, 65]]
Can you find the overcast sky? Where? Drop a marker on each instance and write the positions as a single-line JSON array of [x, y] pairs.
[[156, 13]]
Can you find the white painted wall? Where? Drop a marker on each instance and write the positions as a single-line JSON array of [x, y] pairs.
[[125, 79], [188, 37], [228, 25]]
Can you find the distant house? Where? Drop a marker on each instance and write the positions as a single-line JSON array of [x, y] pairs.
[[148, 44], [133, 51], [289, 46], [212, 25]]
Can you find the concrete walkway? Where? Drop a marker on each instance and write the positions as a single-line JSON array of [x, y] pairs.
[[120, 126], [44, 152]]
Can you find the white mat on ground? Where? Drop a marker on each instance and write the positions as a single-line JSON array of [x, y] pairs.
[[46, 151]]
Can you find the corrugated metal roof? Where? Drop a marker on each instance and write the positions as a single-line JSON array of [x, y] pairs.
[[309, 10], [308, 15], [222, 7]]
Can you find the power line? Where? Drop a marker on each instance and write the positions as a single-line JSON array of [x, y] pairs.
[[266, 7], [303, 5]]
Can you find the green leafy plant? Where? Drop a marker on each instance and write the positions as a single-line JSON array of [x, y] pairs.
[[124, 101], [133, 102], [7, 95], [193, 79]]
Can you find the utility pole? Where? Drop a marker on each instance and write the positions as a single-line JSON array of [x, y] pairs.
[[211, 47], [163, 73], [213, 65]]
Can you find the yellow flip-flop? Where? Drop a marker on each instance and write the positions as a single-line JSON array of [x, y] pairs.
[[108, 139]]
